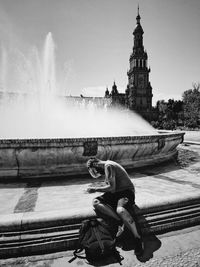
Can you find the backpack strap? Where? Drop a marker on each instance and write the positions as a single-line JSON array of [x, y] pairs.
[[94, 228], [76, 255]]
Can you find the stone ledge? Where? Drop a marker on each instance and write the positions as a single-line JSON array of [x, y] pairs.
[[192, 143], [34, 220]]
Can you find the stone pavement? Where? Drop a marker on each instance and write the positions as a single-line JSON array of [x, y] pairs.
[[175, 249], [193, 136]]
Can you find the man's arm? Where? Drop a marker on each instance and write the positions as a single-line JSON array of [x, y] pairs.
[[110, 182]]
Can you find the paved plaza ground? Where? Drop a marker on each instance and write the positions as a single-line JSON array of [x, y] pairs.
[[178, 179]]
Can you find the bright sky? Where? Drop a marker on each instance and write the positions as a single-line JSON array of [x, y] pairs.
[[94, 40]]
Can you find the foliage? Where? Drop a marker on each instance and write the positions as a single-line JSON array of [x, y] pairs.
[[174, 113], [191, 99], [169, 114]]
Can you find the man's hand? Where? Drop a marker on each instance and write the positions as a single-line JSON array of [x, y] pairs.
[[91, 190]]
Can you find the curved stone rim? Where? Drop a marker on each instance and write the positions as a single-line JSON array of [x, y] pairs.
[[85, 139]]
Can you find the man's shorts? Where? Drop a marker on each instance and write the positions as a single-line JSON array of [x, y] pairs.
[[112, 199]]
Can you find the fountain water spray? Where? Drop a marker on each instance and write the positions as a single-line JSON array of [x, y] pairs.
[[31, 107]]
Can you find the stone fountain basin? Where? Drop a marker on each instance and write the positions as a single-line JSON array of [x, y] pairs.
[[26, 158]]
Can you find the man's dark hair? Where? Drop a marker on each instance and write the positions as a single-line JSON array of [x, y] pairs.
[[91, 162]]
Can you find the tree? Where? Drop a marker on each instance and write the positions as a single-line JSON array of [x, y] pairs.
[[169, 114], [191, 100], [161, 106]]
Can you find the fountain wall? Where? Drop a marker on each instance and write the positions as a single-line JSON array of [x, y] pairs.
[[26, 158]]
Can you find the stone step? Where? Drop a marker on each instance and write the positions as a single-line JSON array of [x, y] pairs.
[[46, 239], [152, 220], [171, 214], [172, 221]]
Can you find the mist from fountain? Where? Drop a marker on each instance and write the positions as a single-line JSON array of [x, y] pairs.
[[31, 105]]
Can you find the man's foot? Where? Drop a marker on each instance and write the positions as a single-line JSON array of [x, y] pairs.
[[138, 247]]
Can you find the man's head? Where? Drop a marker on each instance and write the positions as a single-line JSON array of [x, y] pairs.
[[93, 162], [95, 167]]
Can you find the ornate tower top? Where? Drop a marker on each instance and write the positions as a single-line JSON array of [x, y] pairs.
[[138, 48], [114, 89], [107, 93], [138, 28]]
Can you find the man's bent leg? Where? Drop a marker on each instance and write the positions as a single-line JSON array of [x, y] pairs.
[[105, 209], [130, 224], [126, 217]]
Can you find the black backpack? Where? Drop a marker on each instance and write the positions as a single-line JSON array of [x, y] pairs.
[[99, 244]]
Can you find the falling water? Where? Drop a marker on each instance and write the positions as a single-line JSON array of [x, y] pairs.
[[30, 106]]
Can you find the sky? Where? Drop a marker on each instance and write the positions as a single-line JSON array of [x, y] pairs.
[[93, 41]]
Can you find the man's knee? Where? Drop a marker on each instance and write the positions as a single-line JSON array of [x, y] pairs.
[[124, 214], [121, 211], [122, 202]]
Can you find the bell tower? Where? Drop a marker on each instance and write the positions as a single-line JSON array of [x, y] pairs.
[[139, 90]]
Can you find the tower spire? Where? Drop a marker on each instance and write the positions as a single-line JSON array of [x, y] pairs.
[[138, 15]]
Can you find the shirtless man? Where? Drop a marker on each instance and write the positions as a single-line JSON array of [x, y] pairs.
[[119, 195]]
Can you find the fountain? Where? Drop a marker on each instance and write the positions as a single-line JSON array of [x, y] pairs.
[[44, 134]]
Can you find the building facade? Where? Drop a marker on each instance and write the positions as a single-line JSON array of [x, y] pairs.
[[117, 99]]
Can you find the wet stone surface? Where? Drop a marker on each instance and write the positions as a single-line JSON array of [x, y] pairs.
[[27, 201]]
